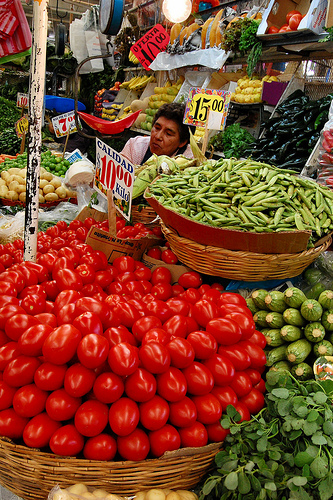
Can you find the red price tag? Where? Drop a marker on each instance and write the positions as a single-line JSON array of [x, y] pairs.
[[151, 44]]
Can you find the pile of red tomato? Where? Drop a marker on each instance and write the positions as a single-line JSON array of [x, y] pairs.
[[293, 18], [112, 361]]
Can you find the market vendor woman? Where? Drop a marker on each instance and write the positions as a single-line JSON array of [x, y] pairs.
[[168, 136]]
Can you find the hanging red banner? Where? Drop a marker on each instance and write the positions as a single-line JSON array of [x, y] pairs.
[[151, 44]]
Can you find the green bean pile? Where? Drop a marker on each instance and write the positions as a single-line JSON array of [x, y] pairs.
[[248, 196]]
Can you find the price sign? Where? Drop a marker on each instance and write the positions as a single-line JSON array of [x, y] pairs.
[[63, 124], [22, 126], [201, 100], [151, 44], [114, 172], [22, 100]]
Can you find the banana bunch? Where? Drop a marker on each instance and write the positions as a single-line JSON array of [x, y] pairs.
[[133, 58], [126, 111], [138, 82]]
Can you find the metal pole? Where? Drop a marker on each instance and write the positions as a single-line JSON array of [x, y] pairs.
[[36, 106]]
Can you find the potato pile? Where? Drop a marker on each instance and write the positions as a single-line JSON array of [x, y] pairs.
[[13, 186]]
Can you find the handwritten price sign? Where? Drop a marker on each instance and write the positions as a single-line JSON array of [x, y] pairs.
[[201, 100], [114, 172], [22, 100], [64, 124], [22, 126], [151, 44]]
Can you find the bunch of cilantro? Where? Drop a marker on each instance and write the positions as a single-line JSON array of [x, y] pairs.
[[284, 452], [232, 141]]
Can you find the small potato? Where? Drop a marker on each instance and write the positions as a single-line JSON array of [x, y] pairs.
[[3, 182], [55, 182], [141, 495], [18, 178], [3, 191], [88, 495], [12, 195], [9, 179], [111, 496], [41, 199], [13, 185], [78, 488], [48, 189], [61, 495], [14, 171], [5, 175], [47, 175], [42, 170], [100, 493], [70, 193], [187, 495], [155, 494], [166, 491], [51, 197], [173, 496], [43, 183], [21, 188], [61, 192], [23, 173], [22, 197]]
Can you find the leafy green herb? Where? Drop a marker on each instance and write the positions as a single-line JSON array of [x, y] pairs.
[[283, 452], [9, 142], [329, 36], [232, 141]]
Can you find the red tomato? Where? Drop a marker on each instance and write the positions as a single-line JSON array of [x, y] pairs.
[[79, 380], [124, 416], [93, 350], [237, 355], [102, 310], [292, 13], [86, 272], [160, 275], [156, 335], [11, 424], [67, 314], [204, 311], [192, 295], [232, 298], [20, 371], [212, 294], [47, 260], [216, 433], [246, 323], [169, 257], [17, 324], [41, 271], [38, 431], [6, 395], [61, 406], [190, 279], [47, 319], [67, 279], [166, 438], [241, 384], [177, 290], [8, 352], [50, 377], [108, 387], [283, 29], [140, 386], [124, 264], [123, 358], [259, 339], [4, 339], [261, 386], [154, 413], [66, 297], [209, 408], [256, 353], [221, 368], [29, 400], [135, 446], [254, 400], [183, 413], [225, 395], [203, 343], [66, 441], [272, 29], [60, 346], [127, 313], [181, 352], [243, 411], [101, 447], [14, 277], [91, 418], [159, 309], [193, 436], [171, 384], [143, 325], [294, 21], [31, 341], [162, 291], [230, 308], [254, 375], [226, 331], [154, 253], [88, 322], [7, 288], [199, 379], [8, 310], [117, 335], [6, 261], [154, 357]]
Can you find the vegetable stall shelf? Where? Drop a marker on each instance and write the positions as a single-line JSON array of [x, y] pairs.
[[240, 265], [30, 473]]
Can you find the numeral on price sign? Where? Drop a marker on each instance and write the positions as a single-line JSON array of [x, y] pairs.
[[150, 45], [202, 100], [22, 126], [22, 100], [64, 124]]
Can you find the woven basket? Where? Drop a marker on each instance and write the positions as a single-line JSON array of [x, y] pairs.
[[30, 473], [245, 266], [145, 214]]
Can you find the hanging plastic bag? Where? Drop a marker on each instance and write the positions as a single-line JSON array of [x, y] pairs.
[[14, 28], [325, 158]]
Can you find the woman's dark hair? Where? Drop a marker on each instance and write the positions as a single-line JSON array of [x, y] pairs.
[[174, 111]]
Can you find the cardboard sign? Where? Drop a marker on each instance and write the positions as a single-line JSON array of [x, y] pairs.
[[22, 126], [114, 172], [64, 124], [151, 44], [201, 100], [22, 100]]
